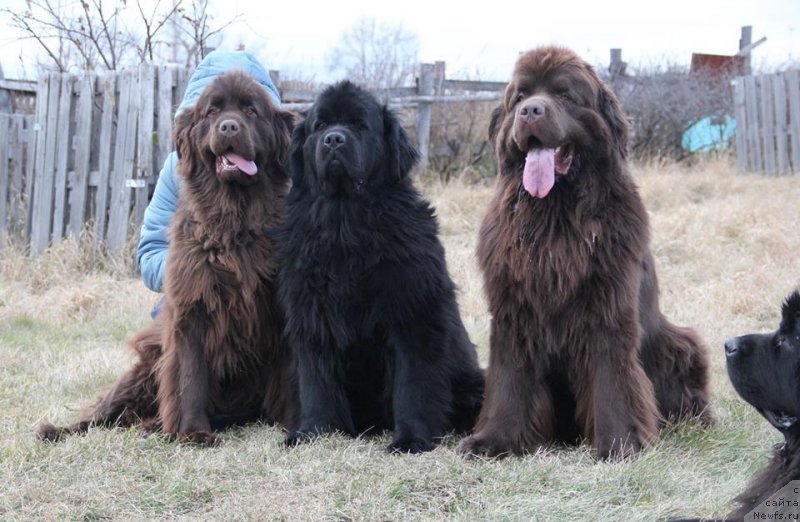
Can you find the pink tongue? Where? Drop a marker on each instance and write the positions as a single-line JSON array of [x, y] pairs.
[[539, 175], [246, 166]]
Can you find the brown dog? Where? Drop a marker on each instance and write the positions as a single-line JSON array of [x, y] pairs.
[[216, 352], [579, 348]]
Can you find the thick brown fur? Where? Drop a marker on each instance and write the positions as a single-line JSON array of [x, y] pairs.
[[216, 353], [579, 348]]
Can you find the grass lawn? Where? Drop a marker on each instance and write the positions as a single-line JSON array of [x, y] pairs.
[[726, 247]]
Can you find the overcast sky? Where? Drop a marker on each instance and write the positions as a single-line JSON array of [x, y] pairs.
[[483, 41]]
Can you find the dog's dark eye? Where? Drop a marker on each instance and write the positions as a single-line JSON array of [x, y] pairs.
[[519, 98], [212, 111], [250, 111], [319, 126]]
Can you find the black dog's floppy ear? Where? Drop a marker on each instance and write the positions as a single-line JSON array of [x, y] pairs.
[[494, 124], [296, 160], [402, 154], [284, 121], [617, 122]]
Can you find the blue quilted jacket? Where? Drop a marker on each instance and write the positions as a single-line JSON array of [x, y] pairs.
[[151, 253]]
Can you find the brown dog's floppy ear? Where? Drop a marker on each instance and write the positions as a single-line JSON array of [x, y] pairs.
[[401, 153], [494, 124], [617, 121], [180, 133]]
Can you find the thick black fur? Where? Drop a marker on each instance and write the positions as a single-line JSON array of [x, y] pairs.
[[765, 371], [371, 312]]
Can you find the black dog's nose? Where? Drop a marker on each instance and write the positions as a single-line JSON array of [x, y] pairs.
[[229, 128], [533, 110], [334, 140], [731, 346]]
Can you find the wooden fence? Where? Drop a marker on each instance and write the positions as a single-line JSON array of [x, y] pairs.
[[16, 160], [767, 111], [88, 159]]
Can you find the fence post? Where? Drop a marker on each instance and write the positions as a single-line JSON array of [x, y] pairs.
[[745, 41], [275, 76], [424, 88], [616, 67]]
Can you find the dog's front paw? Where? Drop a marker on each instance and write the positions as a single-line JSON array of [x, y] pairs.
[[484, 446], [410, 444], [306, 434], [199, 438], [297, 437], [48, 432], [150, 427], [618, 449]]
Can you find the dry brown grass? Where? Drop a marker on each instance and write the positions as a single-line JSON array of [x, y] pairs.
[[726, 248]]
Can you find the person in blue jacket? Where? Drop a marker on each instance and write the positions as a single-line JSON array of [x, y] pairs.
[[151, 252]]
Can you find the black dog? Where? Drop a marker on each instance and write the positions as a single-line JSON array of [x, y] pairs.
[[371, 310], [765, 371]]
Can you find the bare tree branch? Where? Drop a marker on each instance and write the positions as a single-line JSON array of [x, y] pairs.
[[376, 55], [21, 22], [92, 34], [152, 27]]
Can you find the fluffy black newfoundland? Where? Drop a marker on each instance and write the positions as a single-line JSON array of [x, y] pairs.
[[765, 371], [371, 310]]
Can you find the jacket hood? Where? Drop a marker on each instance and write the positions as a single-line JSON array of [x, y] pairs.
[[217, 63]]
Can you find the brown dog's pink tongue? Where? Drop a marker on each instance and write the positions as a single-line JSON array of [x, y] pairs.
[[246, 166], [539, 175]]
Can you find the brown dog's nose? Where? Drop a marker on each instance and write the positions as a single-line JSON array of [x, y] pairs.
[[334, 140], [533, 110], [229, 128]]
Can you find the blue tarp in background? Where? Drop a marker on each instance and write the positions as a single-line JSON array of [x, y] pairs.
[[710, 133]]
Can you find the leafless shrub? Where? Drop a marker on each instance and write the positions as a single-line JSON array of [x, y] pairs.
[[376, 55], [459, 143], [109, 34], [664, 101], [195, 31]]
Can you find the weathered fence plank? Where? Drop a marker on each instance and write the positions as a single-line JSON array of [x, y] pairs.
[[42, 211], [107, 84], [79, 186], [123, 160], [780, 124], [20, 152], [5, 131], [166, 80], [30, 162], [768, 123], [63, 142], [144, 144], [753, 136], [793, 89], [740, 113]]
